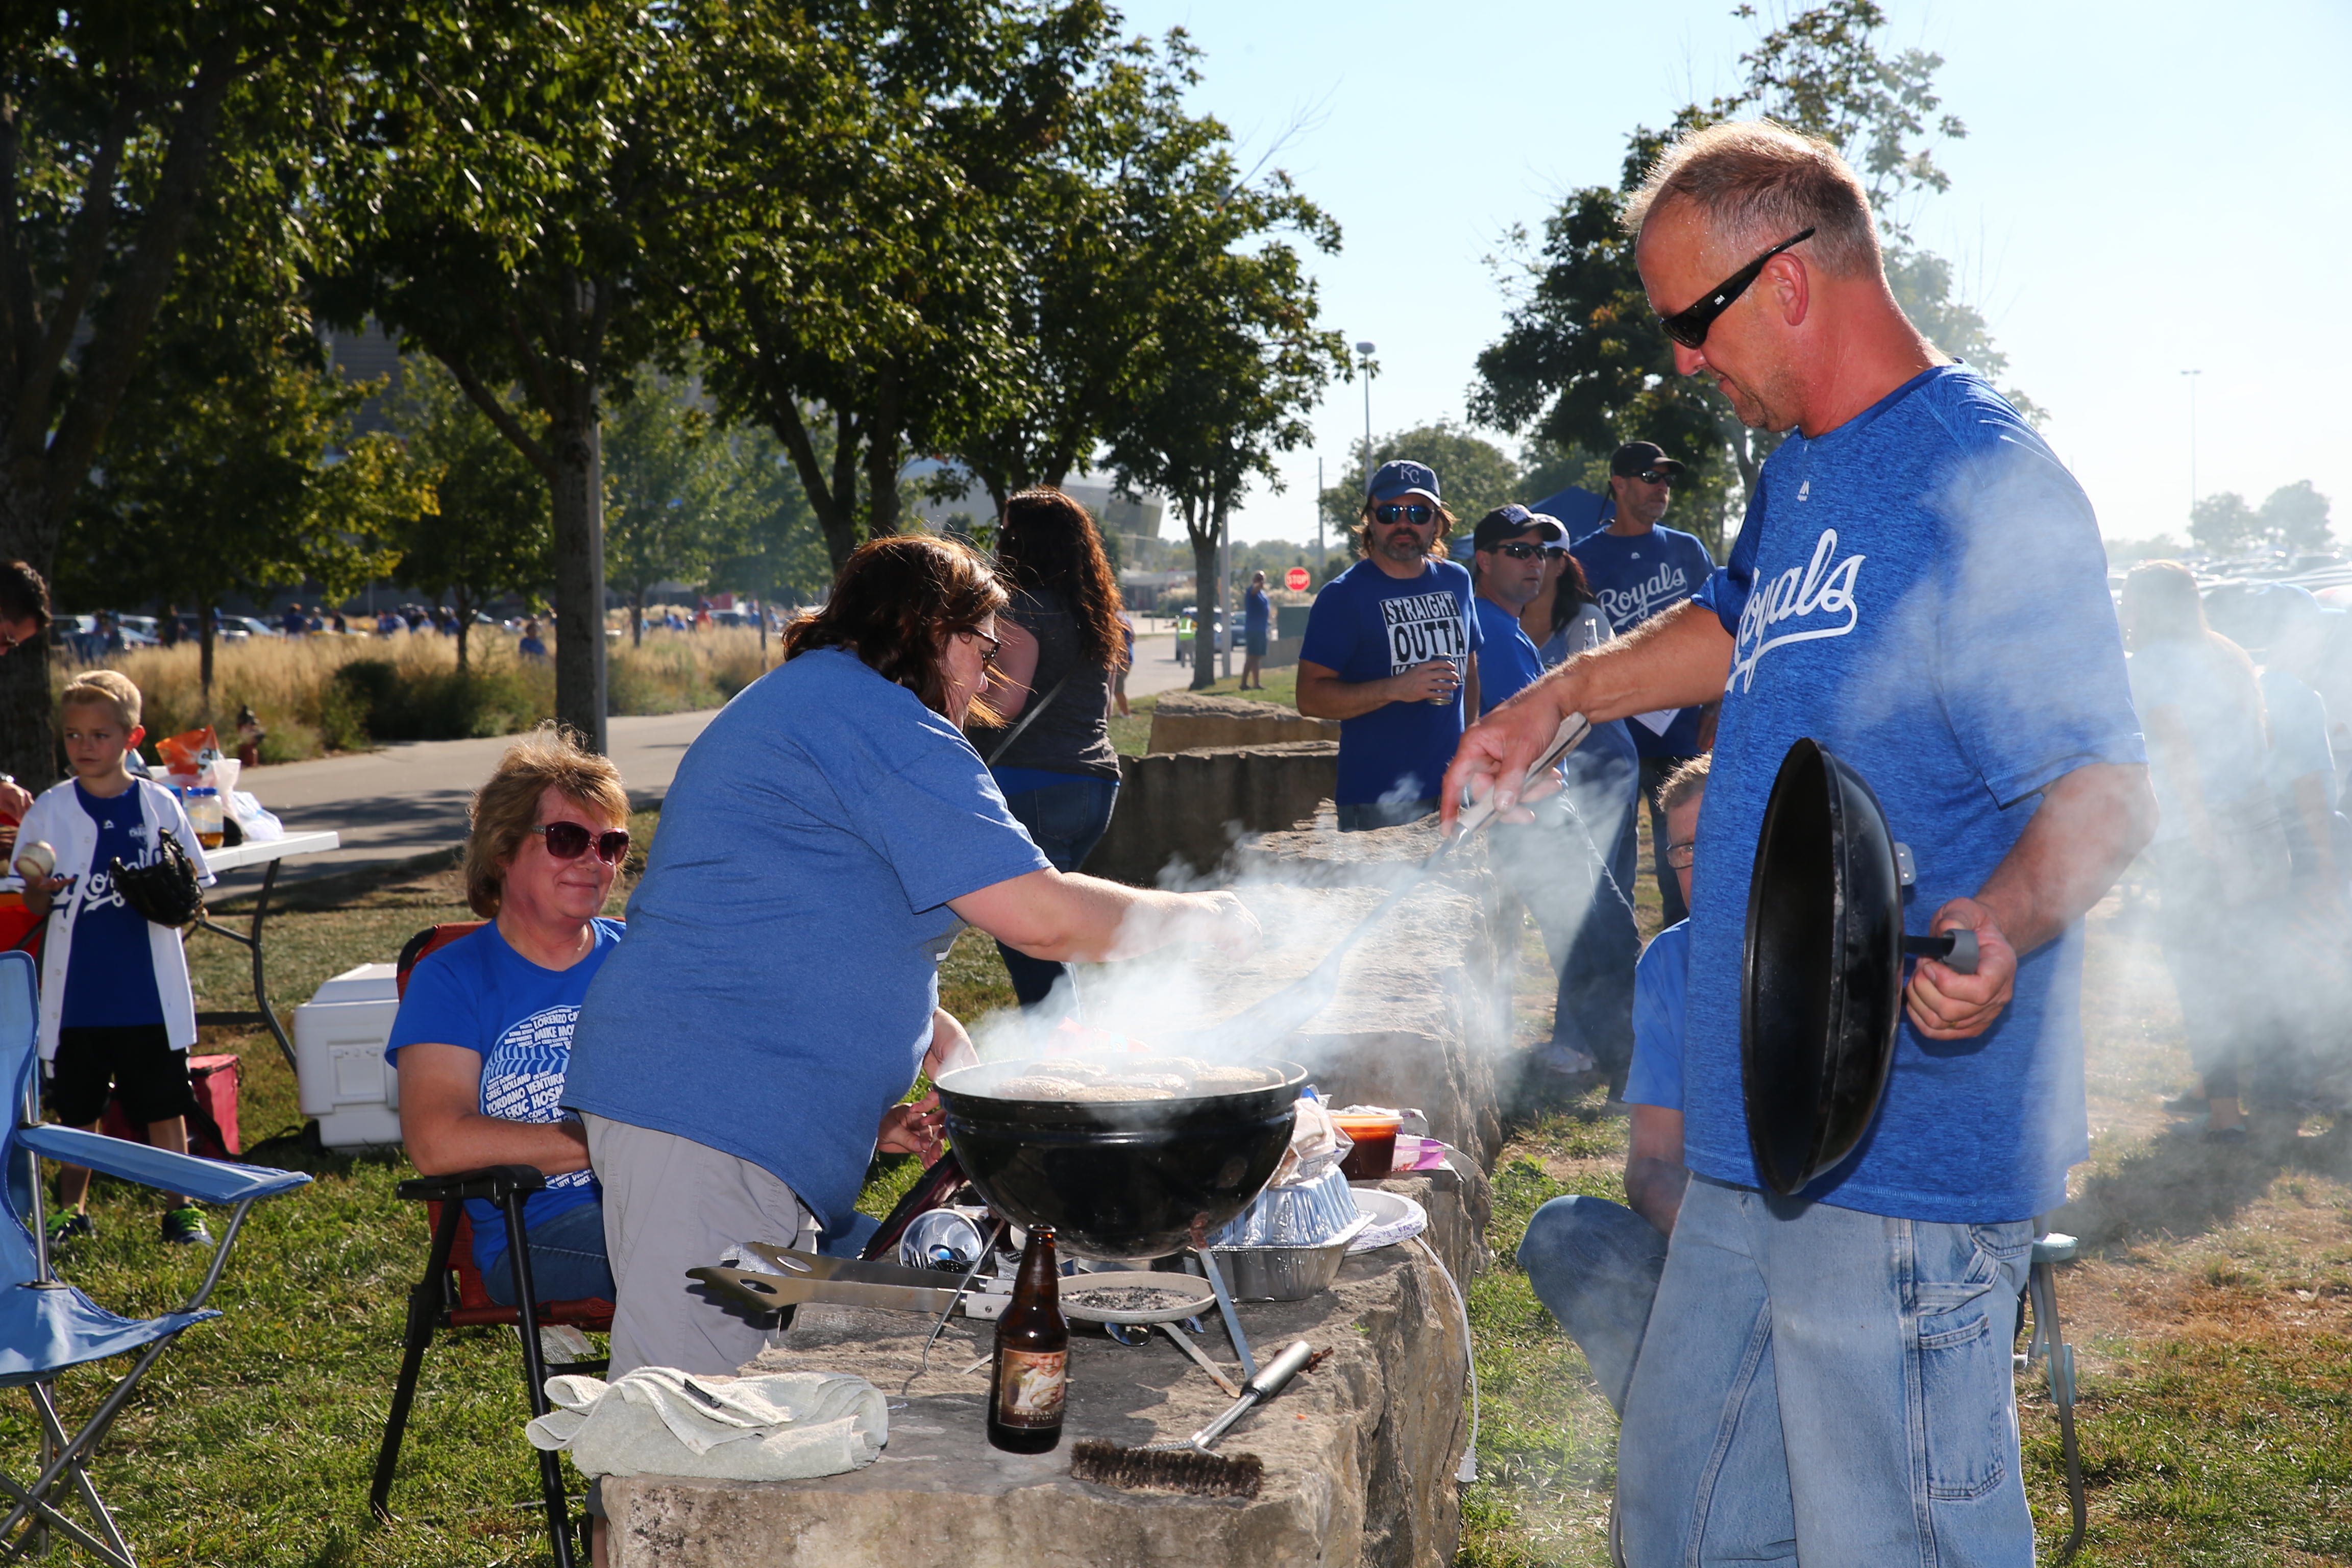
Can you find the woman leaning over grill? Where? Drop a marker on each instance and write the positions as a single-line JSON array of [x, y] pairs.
[[777, 988]]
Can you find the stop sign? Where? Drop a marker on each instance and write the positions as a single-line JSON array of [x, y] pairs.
[[1296, 578]]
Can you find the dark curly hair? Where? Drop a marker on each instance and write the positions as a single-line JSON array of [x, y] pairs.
[[896, 604], [1047, 540]]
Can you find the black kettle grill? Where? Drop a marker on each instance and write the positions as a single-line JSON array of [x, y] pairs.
[[1820, 990]]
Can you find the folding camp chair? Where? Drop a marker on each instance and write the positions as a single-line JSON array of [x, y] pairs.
[[452, 1295], [47, 1327]]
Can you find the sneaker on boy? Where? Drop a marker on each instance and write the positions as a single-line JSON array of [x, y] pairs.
[[117, 1013], [74, 1226], [185, 1226]]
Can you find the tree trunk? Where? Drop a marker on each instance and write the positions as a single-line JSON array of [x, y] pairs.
[[1203, 532], [579, 498], [210, 634], [637, 616]]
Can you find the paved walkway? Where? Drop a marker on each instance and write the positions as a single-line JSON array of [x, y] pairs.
[[411, 799]]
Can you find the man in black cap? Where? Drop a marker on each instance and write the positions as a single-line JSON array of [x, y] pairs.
[[1639, 570]]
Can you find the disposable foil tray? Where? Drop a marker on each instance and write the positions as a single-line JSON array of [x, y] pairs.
[[1307, 1214], [1288, 1273]]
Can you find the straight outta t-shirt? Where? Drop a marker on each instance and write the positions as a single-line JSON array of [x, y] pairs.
[[1922, 591], [1368, 626]]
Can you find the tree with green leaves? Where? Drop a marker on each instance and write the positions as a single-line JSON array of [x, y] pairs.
[[851, 292], [1582, 364], [233, 470], [2293, 517], [2296, 516], [780, 550], [127, 134], [498, 187], [1475, 475], [490, 532], [1225, 381], [670, 502]]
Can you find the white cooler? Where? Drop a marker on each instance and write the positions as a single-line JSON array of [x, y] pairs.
[[338, 1039]]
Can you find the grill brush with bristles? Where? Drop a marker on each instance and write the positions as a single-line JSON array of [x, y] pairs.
[[1190, 1466]]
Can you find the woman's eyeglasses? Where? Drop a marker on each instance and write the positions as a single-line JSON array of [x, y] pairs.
[[993, 652], [569, 841], [1689, 327], [1555, 552], [1395, 511]]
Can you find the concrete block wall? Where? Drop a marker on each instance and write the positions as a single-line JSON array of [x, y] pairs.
[[1184, 810], [1195, 720]]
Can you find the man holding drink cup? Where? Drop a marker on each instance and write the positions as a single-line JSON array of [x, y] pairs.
[[1391, 652]]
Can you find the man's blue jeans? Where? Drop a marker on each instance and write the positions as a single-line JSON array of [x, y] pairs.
[[1595, 1265], [1819, 1380]]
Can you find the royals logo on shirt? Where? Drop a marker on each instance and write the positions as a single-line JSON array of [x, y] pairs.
[[1804, 604], [1423, 627], [1629, 607]]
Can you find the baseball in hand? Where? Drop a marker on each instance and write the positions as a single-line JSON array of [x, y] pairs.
[[36, 862]]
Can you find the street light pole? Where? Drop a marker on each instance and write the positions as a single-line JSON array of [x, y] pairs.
[[1364, 360], [1320, 558]]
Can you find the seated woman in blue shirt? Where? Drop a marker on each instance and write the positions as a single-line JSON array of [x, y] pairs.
[[484, 1034]]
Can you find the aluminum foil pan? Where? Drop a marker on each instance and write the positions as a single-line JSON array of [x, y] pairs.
[[1287, 1273], [1307, 1214]]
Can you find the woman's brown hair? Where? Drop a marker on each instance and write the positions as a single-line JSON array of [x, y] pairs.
[[1570, 592], [506, 809], [1047, 542], [895, 605]]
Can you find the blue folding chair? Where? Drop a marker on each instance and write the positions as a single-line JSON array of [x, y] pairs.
[[47, 1327]]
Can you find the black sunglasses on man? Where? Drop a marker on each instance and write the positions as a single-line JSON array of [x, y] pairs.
[[1689, 327]]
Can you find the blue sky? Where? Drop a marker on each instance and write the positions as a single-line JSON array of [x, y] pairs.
[[2144, 189]]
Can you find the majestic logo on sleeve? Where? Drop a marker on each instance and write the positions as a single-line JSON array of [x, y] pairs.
[[1629, 607], [1423, 627], [1812, 602]]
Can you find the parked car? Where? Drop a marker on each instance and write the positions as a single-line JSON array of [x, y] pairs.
[[247, 627]]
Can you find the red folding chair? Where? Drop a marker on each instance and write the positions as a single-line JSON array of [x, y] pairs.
[[452, 1295]]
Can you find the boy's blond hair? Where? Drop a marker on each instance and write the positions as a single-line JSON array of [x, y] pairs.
[[104, 689], [1685, 785]]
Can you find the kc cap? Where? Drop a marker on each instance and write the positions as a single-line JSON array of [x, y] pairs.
[[1510, 522], [1402, 478], [1635, 456]]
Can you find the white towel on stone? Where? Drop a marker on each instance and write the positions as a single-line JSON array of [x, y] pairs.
[[658, 1421]]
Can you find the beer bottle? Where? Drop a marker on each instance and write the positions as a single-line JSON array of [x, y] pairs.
[[1030, 1370]]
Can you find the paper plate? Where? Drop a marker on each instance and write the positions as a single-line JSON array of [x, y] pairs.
[[1394, 1218]]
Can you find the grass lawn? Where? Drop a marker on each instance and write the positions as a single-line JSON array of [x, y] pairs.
[[2212, 1313], [252, 1441]]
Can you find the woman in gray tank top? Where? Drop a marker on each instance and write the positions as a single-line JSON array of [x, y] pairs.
[[1051, 755]]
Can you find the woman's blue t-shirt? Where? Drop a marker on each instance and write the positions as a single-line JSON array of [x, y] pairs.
[[1368, 626], [480, 994], [774, 996], [1923, 590]]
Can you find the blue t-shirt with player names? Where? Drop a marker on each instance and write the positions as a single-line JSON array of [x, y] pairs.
[[479, 993], [1660, 992], [1634, 577], [1921, 590], [111, 971], [774, 994], [1368, 626]]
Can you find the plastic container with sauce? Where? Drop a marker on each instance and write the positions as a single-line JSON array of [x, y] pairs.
[[203, 807], [1374, 1155]]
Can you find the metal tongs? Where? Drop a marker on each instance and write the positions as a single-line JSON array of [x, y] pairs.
[[1288, 1009]]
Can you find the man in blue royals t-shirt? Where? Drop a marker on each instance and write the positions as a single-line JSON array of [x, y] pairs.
[[1638, 570], [1391, 650], [1920, 587]]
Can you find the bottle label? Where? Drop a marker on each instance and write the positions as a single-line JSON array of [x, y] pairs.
[[1029, 1387]]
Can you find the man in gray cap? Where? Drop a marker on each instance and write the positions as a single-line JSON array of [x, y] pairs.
[[1391, 651], [1638, 570]]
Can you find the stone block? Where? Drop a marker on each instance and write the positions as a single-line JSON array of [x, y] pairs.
[[1180, 813], [1195, 720], [1359, 1454]]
